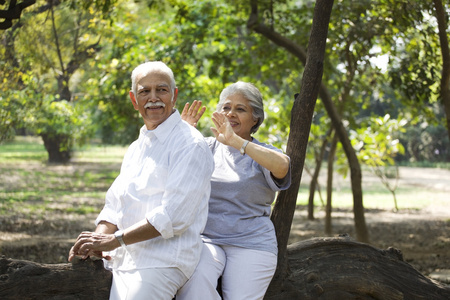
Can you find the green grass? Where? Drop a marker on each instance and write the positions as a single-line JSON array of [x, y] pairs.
[[30, 148], [29, 185], [407, 198], [23, 149], [427, 164]]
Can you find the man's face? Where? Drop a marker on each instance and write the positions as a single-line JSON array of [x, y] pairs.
[[154, 98]]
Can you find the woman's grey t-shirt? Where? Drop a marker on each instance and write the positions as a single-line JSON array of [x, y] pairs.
[[242, 192]]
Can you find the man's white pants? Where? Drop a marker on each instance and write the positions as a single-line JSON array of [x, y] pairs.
[[246, 274], [155, 284]]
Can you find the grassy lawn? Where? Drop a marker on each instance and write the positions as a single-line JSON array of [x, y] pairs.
[[407, 198], [28, 185]]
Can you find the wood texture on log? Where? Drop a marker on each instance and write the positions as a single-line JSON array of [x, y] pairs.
[[321, 268], [341, 268], [84, 279]]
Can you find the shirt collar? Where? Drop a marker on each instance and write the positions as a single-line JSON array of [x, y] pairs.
[[163, 130]]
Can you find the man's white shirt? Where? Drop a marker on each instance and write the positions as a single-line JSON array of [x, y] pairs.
[[165, 178]]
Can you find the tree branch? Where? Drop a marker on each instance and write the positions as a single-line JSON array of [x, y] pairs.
[[14, 11]]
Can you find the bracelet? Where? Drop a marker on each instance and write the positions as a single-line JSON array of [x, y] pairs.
[[119, 236], [242, 150]]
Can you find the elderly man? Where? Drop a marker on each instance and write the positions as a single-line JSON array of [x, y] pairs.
[[148, 232]]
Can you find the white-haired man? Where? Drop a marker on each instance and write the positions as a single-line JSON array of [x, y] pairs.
[[148, 232]]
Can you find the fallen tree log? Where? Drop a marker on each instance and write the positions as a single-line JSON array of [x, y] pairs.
[[83, 279], [341, 268], [321, 268]]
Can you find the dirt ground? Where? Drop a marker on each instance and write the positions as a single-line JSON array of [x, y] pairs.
[[422, 235]]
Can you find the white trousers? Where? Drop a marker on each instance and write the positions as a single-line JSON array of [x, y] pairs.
[[154, 284], [246, 274]]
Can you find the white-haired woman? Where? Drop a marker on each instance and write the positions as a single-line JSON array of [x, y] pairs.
[[239, 239]]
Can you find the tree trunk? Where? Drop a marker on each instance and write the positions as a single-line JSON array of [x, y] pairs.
[[331, 155], [58, 148], [445, 50], [315, 177], [362, 233]]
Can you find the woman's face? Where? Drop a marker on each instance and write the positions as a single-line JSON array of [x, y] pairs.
[[240, 115]]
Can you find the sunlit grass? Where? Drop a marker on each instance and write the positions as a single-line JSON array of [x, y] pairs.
[[30, 184], [98, 153], [407, 198], [31, 148], [28, 148]]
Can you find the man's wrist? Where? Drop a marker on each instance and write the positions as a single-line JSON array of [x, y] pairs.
[[119, 236]]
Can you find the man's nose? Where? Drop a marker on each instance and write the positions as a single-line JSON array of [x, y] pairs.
[[153, 96]]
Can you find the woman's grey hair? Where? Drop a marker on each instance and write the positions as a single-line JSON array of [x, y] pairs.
[[150, 67], [251, 93]]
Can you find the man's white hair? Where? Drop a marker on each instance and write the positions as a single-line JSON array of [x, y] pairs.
[[150, 67]]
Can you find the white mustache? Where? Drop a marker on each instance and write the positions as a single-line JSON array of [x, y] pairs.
[[154, 104]]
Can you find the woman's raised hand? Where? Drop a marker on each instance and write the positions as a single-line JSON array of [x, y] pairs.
[[223, 130], [193, 113]]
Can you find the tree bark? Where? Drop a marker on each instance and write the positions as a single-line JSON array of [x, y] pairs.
[[328, 209], [58, 147], [315, 176], [24, 280], [445, 50], [340, 268]]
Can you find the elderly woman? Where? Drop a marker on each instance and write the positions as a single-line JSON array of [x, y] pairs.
[[239, 242]]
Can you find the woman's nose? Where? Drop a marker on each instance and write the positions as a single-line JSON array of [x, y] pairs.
[[230, 113]]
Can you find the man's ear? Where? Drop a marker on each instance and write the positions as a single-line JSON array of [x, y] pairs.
[[175, 94], [134, 101]]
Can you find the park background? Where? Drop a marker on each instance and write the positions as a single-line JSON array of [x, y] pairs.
[[66, 117]]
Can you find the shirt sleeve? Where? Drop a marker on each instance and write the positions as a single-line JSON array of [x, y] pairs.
[[109, 211], [278, 184], [187, 191]]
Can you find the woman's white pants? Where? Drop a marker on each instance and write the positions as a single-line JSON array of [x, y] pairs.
[[246, 274]]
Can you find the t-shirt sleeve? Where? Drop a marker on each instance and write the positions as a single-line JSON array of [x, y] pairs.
[[277, 184]]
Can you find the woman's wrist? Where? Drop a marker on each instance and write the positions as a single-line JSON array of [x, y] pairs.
[[237, 142]]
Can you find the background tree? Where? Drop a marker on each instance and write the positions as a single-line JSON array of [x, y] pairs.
[[442, 20], [360, 225], [206, 60], [55, 49], [418, 49]]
